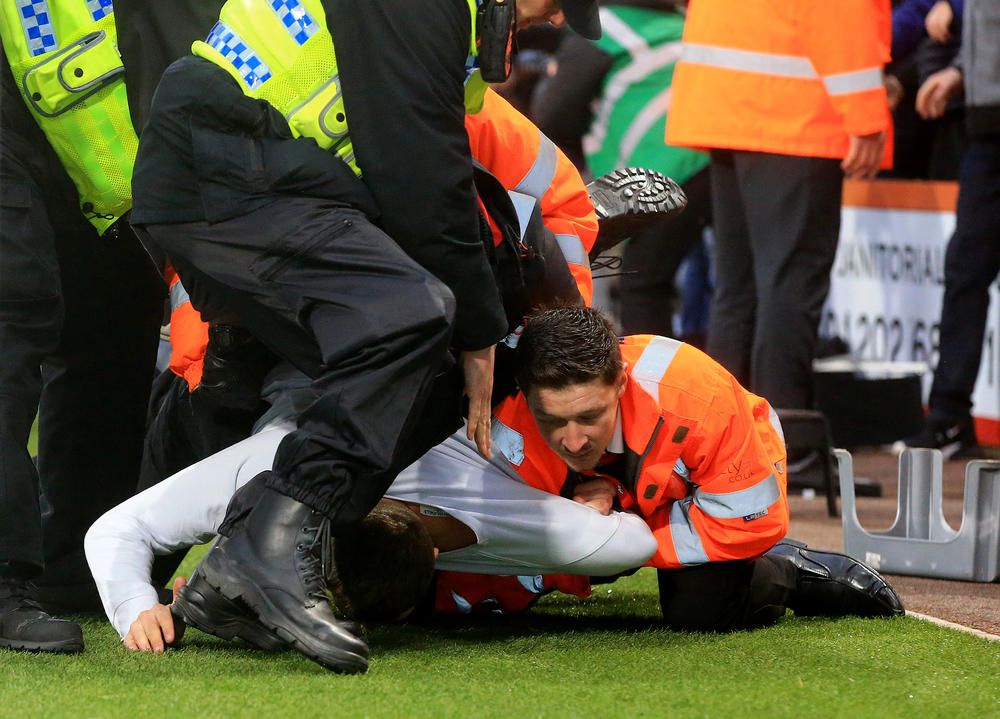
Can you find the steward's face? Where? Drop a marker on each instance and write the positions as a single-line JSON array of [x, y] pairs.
[[577, 421]]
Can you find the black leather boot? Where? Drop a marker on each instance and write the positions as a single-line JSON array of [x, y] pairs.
[[24, 626], [835, 585], [275, 564], [627, 200], [203, 606]]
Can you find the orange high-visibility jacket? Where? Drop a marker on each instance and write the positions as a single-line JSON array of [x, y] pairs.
[[704, 461], [524, 160], [188, 333], [793, 77], [464, 593], [516, 152]]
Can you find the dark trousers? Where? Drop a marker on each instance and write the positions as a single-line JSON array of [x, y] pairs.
[[651, 259], [972, 262], [776, 220], [185, 428], [323, 288], [726, 596], [79, 322]]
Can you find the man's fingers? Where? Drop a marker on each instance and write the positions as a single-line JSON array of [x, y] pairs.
[[927, 98], [850, 163], [478, 428], [129, 642], [138, 634], [178, 585], [484, 439], [166, 621], [152, 629]]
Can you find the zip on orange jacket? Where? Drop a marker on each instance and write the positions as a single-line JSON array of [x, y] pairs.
[[792, 77], [703, 460], [515, 151]]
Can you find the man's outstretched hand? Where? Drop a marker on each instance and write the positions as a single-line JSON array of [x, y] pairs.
[[154, 628], [477, 368]]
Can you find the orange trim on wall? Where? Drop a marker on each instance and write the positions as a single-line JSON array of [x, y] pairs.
[[901, 194], [988, 431]]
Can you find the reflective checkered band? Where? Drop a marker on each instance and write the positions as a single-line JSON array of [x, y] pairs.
[[296, 20], [99, 8], [37, 26], [248, 64]]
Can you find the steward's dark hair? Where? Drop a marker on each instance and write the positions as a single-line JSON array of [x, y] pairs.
[[384, 567], [568, 345]]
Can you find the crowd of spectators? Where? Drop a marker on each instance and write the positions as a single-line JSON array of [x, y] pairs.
[[570, 87]]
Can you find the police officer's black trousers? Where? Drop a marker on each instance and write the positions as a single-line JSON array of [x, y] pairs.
[[726, 596], [325, 289], [79, 322]]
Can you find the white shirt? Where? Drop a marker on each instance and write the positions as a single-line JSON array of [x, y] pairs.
[[519, 529]]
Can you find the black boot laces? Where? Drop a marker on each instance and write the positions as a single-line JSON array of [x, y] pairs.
[[317, 562]]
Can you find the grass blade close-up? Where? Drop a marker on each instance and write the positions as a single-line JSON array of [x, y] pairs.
[[600, 657]]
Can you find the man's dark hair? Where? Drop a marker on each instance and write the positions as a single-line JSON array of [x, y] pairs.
[[563, 346], [384, 567]]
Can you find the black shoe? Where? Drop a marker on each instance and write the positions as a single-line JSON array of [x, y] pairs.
[[24, 626], [956, 440], [79, 598], [829, 584], [274, 563], [627, 200], [202, 606]]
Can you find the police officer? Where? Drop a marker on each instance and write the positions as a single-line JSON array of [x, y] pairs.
[[265, 163], [80, 308]]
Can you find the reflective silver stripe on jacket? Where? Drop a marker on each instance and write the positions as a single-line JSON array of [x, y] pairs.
[[687, 543], [846, 83], [653, 363], [178, 296], [791, 66], [524, 205], [296, 19], [681, 470], [742, 503], [539, 177], [36, 21], [573, 250]]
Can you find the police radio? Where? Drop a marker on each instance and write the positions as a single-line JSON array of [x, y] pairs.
[[495, 37]]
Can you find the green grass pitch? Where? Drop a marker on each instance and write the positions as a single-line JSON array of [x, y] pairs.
[[602, 657]]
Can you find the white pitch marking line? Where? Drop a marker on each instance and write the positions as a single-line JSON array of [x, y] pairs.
[[952, 625]]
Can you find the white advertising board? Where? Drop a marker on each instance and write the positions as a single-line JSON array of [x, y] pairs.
[[887, 285]]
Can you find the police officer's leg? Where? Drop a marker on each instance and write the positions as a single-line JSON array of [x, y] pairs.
[[793, 211], [326, 290], [734, 304], [93, 405], [30, 307]]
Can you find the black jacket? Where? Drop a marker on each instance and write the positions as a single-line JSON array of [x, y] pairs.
[[401, 67]]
